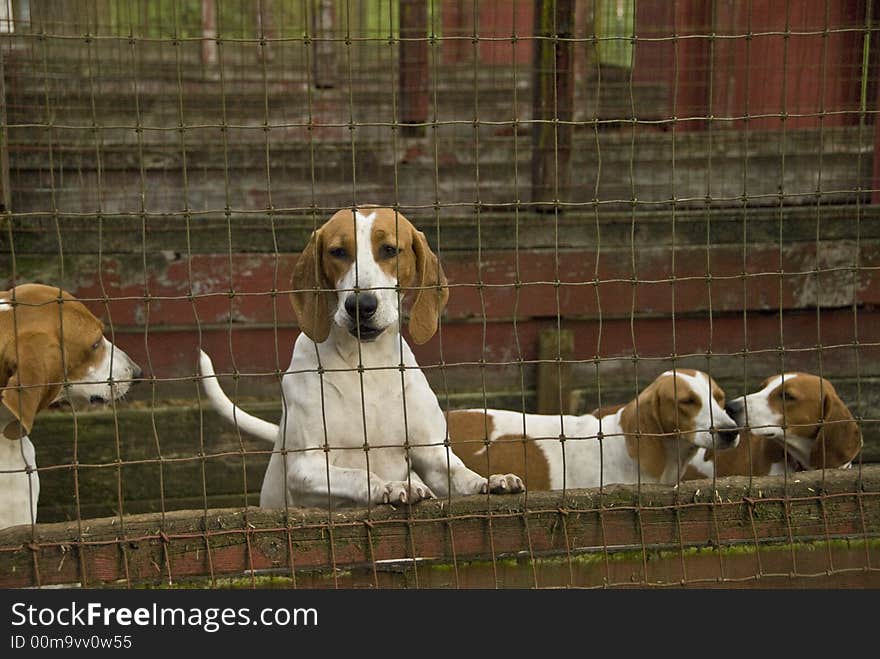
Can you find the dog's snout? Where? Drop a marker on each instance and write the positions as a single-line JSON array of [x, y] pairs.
[[136, 373], [362, 305], [734, 407]]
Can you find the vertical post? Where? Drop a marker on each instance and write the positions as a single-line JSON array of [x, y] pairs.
[[265, 29], [875, 174], [324, 55], [209, 31], [554, 378], [413, 65], [5, 194], [873, 91], [552, 102]]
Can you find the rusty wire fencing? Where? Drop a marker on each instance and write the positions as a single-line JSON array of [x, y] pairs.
[[613, 188]]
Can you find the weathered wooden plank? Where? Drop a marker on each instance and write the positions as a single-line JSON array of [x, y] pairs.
[[180, 545], [836, 341], [144, 460], [458, 174], [836, 564], [582, 227], [609, 283]]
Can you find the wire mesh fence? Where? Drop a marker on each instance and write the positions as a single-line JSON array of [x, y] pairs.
[[609, 190]]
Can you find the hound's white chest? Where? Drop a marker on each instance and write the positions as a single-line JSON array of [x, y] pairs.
[[19, 490], [369, 407], [358, 416]]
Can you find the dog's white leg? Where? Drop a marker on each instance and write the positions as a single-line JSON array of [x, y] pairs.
[[441, 469], [446, 474], [421, 488], [308, 474], [19, 482]]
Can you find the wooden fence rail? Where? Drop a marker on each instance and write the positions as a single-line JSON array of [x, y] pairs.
[[818, 509]]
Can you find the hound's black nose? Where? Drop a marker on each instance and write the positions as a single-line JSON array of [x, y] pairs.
[[361, 305], [137, 373], [734, 407], [728, 436]]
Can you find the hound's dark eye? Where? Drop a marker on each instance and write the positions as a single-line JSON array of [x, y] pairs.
[[338, 252], [690, 400], [96, 344], [388, 251], [786, 395]]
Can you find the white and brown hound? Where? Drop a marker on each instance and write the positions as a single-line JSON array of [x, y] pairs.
[[51, 348], [360, 424], [795, 421], [648, 440]]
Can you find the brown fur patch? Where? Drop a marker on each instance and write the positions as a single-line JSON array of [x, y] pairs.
[[508, 454], [33, 364], [753, 456], [394, 230], [810, 407], [663, 411]]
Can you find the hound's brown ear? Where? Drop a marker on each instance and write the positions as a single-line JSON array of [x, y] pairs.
[[643, 430], [35, 381], [433, 291], [839, 440], [312, 298]]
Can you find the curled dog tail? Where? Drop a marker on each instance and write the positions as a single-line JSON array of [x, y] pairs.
[[229, 410]]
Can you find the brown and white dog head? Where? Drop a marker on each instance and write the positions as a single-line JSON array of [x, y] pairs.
[[352, 269], [803, 413], [684, 405], [53, 348]]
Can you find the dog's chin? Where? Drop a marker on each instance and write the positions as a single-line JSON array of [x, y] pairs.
[[81, 400], [80, 403], [722, 444], [775, 433], [366, 334]]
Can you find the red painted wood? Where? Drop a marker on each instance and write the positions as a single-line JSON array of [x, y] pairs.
[[163, 333], [463, 529], [498, 20], [778, 71], [739, 281], [755, 68], [265, 350], [673, 48]]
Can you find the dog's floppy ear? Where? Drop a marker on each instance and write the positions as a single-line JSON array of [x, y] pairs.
[[838, 441], [433, 291], [643, 430], [312, 298], [35, 381]]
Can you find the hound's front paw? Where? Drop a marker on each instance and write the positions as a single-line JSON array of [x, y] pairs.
[[397, 492], [503, 484]]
